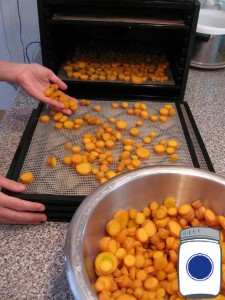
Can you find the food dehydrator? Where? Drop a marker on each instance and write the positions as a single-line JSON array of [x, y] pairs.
[[94, 46]]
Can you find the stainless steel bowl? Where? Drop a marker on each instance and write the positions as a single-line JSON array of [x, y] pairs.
[[132, 189]]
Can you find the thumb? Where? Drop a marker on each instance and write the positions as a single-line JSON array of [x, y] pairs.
[[54, 79]]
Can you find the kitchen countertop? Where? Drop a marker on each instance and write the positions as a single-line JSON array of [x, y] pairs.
[[31, 257]]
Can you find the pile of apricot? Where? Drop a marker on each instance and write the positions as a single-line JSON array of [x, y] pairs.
[[53, 92], [139, 253], [114, 65], [97, 157], [97, 152]]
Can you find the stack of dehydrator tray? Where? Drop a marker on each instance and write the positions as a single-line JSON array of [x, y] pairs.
[[115, 33]]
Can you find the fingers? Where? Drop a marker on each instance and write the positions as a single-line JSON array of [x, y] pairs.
[[11, 185], [17, 211], [13, 222], [54, 79], [65, 111], [51, 102], [56, 105], [8, 216], [19, 204]]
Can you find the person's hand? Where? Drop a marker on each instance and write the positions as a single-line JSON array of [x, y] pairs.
[[35, 78], [16, 211]]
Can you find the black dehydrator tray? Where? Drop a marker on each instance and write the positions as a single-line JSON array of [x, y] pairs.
[[61, 189]]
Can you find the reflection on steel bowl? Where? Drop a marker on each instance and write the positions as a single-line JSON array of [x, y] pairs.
[[134, 189]]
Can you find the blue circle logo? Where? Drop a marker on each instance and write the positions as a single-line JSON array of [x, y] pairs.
[[199, 267]]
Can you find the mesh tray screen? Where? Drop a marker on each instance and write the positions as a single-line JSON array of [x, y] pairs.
[[63, 180]]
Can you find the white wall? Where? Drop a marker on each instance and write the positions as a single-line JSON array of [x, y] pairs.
[[19, 34]]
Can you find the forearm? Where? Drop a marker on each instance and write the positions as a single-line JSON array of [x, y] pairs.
[[9, 71]]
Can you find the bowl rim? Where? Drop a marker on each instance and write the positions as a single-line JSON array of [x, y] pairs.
[[78, 279]]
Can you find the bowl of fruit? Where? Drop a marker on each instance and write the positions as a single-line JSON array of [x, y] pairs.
[[123, 240]]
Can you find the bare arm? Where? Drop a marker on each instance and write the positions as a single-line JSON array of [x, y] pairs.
[[34, 79]]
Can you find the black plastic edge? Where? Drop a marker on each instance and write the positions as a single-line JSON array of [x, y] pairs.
[[199, 138], [188, 137], [21, 149], [58, 208]]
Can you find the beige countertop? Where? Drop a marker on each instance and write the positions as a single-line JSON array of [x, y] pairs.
[[32, 257]]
